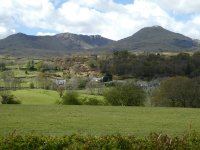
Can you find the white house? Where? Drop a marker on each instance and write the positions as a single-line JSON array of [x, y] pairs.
[[60, 82]]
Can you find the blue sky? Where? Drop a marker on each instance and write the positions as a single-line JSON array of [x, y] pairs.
[[114, 19], [59, 2], [124, 1]]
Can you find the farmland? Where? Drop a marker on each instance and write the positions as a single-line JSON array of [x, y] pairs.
[[46, 97], [134, 101], [34, 84], [36, 96], [96, 120]]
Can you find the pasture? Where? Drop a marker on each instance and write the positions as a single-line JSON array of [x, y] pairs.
[[46, 97], [36, 96], [96, 120]]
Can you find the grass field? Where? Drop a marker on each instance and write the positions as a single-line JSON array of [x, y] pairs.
[[36, 96], [45, 97], [96, 120], [19, 73]]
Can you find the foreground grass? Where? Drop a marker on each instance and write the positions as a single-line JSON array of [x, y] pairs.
[[96, 120]]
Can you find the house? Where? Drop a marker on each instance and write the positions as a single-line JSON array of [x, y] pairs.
[[94, 79], [60, 82]]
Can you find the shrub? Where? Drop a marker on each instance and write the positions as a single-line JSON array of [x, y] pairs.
[[7, 98], [70, 98], [92, 101], [32, 86], [127, 94], [119, 142], [81, 83], [110, 84]]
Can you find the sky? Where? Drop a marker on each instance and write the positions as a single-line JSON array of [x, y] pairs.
[[114, 19]]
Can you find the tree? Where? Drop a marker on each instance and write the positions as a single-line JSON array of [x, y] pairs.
[[39, 66], [31, 65], [45, 66], [178, 92], [2, 66], [70, 98], [95, 87], [76, 68], [194, 92], [107, 77], [8, 78], [43, 81], [16, 83], [60, 90], [127, 94]]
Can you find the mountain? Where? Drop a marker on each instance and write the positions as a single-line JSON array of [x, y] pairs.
[[154, 39], [79, 42], [148, 39], [197, 40], [22, 44]]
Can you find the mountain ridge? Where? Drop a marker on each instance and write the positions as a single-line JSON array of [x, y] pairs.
[[54, 45], [148, 39], [154, 39]]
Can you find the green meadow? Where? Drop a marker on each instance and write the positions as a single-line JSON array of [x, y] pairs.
[[36, 96], [96, 120], [46, 97], [40, 113]]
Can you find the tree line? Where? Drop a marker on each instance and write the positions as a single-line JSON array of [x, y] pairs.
[[149, 66]]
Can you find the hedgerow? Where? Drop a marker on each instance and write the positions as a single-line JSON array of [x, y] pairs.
[[75, 141]]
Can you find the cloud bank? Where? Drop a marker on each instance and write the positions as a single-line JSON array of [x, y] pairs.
[[104, 17]]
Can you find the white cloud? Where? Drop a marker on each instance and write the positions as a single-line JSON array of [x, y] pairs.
[[5, 31], [45, 33], [182, 6], [35, 13], [104, 17], [112, 20]]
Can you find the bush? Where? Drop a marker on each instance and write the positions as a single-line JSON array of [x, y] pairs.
[[32, 86], [70, 98], [119, 142], [110, 84], [127, 94], [7, 98], [92, 101], [81, 83]]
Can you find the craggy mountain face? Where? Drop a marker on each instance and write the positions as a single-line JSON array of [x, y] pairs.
[[22, 44], [78, 42], [154, 39]]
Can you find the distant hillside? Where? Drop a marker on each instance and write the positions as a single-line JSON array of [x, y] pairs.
[[22, 44], [154, 39], [148, 39]]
